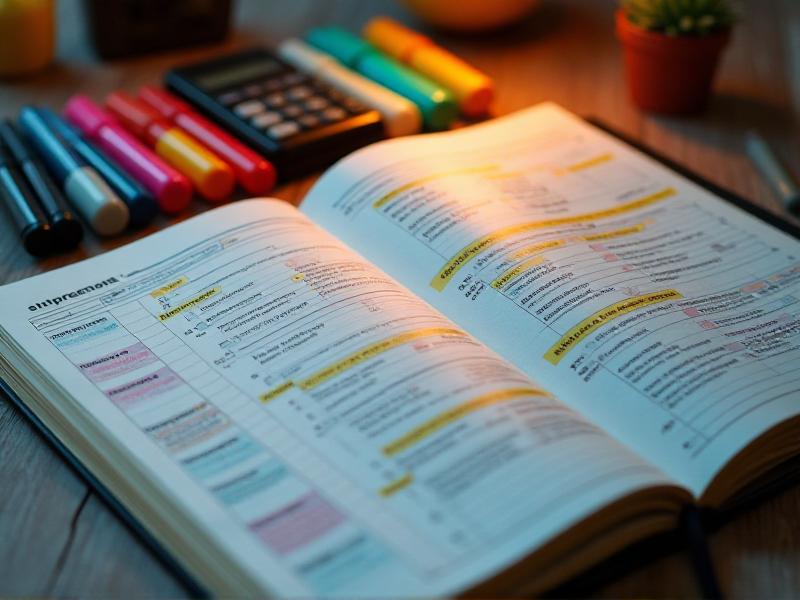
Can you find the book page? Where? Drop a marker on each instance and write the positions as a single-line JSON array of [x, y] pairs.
[[330, 431], [661, 312]]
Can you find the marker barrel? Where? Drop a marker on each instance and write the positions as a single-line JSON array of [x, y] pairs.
[[141, 204], [773, 171], [400, 116], [91, 196], [67, 230], [255, 173], [212, 177], [172, 190], [35, 233], [437, 104], [473, 89]]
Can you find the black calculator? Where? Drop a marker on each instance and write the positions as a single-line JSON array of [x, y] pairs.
[[298, 122]]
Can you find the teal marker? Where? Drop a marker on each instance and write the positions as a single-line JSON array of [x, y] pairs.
[[437, 104]]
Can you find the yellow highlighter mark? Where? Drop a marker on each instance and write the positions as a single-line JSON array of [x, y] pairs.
[[444, 419], [396, 485], [467, 253], [589, 162], [298, 277], [168, 287], [372, 351], [607, 235], [570, 339], [513, 272], [189, 304], [275, 392], [535, 248], [423, 180]]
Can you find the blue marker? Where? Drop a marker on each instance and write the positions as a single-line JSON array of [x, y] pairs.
[[90, 195], [141, 204]]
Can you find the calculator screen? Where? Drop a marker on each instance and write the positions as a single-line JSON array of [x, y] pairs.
[[241, 72]]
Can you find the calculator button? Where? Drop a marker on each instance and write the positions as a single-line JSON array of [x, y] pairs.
[[354, 106], [249, 109], [309, 121], [294, 79], [230, 98], [273, 85], [253, 90], [335, 95], [334, 113], [266, 119], [301, 92], [276, 100], [292, 111], [283, 130], [316, 103]]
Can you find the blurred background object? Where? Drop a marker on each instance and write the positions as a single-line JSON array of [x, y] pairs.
[[27, 36], [129, 27], [671, 51], [471, 15]]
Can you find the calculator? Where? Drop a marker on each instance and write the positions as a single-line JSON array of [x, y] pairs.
[[298, 122]]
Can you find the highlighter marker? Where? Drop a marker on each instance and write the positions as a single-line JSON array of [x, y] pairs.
[[172, 190], [97, 203], [437, 104], [473, 89], [400, 116], [254, 172], [141, 205], [34, 231], [67, 230], [212, 177]]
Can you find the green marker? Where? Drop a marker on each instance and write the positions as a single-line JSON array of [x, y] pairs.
[[437, 104]]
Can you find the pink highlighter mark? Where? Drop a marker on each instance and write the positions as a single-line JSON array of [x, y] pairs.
[[691, 312], [117, 363], [754, 287], [297, 524], [129, 394]]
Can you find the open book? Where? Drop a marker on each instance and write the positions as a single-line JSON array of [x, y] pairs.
[[480, 360]]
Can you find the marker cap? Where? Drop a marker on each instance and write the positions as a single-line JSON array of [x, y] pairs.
[[473, 89], [436, 103], [255, 173], [172, 189], [66, 228]]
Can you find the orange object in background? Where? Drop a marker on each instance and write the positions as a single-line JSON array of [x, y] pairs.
[[27, 36], [473, 90], [212, 177]]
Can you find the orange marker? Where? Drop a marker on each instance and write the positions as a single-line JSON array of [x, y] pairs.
[[473, 89], [212, 177]]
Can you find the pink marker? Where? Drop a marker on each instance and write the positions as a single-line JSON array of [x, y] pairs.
[[172, 189]]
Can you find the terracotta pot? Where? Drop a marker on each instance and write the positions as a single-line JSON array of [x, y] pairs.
[[669, 74]]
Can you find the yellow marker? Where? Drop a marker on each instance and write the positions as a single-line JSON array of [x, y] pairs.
[[473, 89], [212, 177]]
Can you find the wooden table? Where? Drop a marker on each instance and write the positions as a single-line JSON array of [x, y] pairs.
[[58, 538]]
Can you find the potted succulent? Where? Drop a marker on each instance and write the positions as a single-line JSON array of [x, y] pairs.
[[671, 50]]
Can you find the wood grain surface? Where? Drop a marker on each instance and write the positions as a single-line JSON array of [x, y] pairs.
[[58, 538]]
